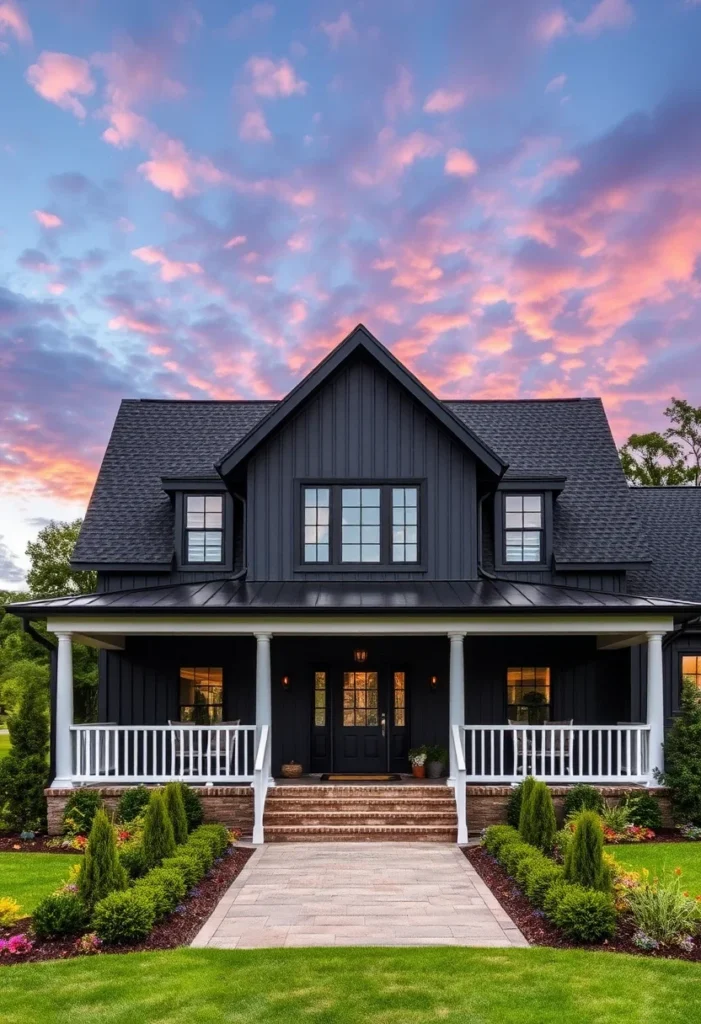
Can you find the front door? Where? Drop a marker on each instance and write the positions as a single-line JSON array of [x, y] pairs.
[[360, 727]]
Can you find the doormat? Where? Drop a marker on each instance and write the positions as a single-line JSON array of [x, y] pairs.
[[361, 778]]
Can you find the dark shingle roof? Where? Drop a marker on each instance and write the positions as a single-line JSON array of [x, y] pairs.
[[672, 519], [595, 519]]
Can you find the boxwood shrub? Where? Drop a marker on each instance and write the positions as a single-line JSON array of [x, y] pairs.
[[125, 917], [527, 865], [585, 915], [132, 803], [188, 863], [555, 893], [541, 879], [512, 854], [166, 886], [61, 913], [218, 836], [133, 860], [203, 846], [193, 806], [497, 836]]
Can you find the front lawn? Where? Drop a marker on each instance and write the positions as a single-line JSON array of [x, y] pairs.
[[4, 743], [28, 877], [663, 858], [354, 986]]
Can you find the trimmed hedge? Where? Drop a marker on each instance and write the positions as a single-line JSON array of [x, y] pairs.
[[541, 879], [585, 915], [166, 886], [124, 917], [219, 837], [60, 913], [187, 862], [132, 859], [497, 836]]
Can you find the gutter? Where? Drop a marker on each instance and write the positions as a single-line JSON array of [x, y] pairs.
[[29, 629]]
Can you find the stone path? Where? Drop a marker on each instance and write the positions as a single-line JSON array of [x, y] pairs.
[[358, 894]]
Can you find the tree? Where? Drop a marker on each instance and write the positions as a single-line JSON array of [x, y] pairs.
[[686, 429], [682, 758], [23, 772], [50, 554], [652, 460]]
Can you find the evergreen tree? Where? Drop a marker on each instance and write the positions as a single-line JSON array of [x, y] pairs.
[[23, 772], [682, 757], [542, 825], [173, 796], [526, 815], [584, 860], [158, 838], [102, 872]]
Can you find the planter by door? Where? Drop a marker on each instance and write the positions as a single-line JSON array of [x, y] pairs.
[[434, 769], [418, 771]]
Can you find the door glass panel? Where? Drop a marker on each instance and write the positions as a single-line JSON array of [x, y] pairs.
[[399, 699], [320, 698], [360, 690]]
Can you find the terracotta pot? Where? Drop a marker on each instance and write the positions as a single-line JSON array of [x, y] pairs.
[[418, 771], [291, 770]]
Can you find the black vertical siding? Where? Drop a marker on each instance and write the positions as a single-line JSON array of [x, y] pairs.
[[361, 425], [672, 651]]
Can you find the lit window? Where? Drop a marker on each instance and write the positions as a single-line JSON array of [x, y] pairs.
[[405, 512], [204, 527], [320, 698], [523, 527], [316, 524], [528, 695], [399, 699], [360, 524], [691, 669], [201, 691]]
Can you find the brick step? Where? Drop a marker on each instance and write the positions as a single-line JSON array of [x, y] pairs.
[[374, 817], [361, 806], [360, 833], [332, 792]]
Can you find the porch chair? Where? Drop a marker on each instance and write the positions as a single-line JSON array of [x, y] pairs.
[[558, 750]]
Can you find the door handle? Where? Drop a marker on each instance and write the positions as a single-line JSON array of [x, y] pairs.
[[383, 723]]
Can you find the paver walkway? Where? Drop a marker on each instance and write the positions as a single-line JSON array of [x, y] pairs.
[[351, 894]]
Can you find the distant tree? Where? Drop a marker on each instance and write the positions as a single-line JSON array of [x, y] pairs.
[[668, 459], [686, 430], [50, 555]]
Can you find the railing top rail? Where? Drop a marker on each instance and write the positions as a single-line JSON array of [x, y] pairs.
[[556, 728], [262, 744], [459, 753], [162, 728]]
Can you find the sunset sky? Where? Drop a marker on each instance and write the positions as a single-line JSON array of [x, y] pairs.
[[200, 199]]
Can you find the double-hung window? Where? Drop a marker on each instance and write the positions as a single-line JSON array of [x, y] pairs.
[[361, 525], [523, 527], [204, 528]]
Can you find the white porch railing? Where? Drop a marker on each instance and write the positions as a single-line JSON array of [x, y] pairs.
[[160, 753], [557, 753], [460, 782], [260, 784]]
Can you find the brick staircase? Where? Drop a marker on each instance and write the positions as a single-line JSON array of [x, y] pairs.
[[382, 813]]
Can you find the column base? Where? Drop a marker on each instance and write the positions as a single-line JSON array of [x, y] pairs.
[[62, 784]]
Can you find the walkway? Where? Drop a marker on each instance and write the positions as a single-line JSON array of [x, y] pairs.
[[358, 894]]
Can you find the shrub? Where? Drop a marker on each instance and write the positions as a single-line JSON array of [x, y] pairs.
[[563, 841], [132, 802], [682, 758], [497, 836], [203, 848], [512, 855], [662, 911], [526, 816], [24, 771], [132, 859], [61, 913], [615, 818], [10, 911], [644, 811], [527, 865], [583, 798], [551, 899], [193, 807], [513, 805], [218, 836], [166, 886], [102, 872], [585, 915], [187, 862], [173, 796], [540, 824], [158, 840], [541, 879], [124, 917], [80, 811], [584, 862]]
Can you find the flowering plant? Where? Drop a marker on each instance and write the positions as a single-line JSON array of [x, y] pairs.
[[16, 946], [663, 912], [691, 831], [10, 911], [88, 944], [417, 756], [628, 834]]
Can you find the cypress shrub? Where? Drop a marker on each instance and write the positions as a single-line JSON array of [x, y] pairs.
[[513, 805], [102, 872], [541, 823], [132, 802], [584, 861], [193, 806], [173, 796], [526, 815], [528, 865], [552, 897], [131, 856], [24, 771], [158, 840]]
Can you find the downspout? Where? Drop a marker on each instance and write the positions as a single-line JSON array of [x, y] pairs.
[[44, 641], [480, 570], [29, 629]]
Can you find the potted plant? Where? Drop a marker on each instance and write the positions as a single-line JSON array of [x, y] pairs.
[[436, 761], [417, 760]]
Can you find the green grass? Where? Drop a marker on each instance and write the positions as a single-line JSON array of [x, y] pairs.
[[661, 858], [28, 877], [4, 743], [355, 986]]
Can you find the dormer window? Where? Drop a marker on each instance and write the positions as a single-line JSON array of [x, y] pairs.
[[523, 528], [204, 528]]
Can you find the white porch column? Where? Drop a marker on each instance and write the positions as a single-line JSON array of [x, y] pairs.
[[264, 700], [655, 701], [457, 693], [64, 711]]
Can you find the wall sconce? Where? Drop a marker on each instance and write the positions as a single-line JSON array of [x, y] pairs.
[[360, 655], [285, 682], [433, 682]]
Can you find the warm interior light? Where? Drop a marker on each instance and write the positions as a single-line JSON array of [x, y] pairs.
[[285, 682], [433, 682], [360, 655]]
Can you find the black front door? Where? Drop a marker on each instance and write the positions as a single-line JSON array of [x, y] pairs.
[[360, 722]]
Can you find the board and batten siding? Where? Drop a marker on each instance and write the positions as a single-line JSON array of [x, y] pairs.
[[362, 426]]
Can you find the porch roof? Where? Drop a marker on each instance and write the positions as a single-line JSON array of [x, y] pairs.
[[475, 597]]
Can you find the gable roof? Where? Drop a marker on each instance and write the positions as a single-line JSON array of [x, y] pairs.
[[360, 339], [672, 518]]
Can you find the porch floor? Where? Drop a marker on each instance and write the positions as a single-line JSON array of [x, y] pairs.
[[360, 894]]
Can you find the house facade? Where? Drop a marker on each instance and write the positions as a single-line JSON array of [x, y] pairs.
[[360, 569]]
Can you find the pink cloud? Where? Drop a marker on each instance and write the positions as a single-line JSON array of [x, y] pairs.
[[253, 127], [172, 169], [126, 128], [460, 163], [12, 19], [236, 240], [556, 84], [58, 77], [551, 25], [48, 220], [171, 270], [442, 101], [56, 288], [132, 323], [399, 97], [395, 155], [273, 80], [606, 14], [339, 30]]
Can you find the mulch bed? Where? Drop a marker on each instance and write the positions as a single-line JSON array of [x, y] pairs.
[[541, 932], [13, 844], [178, 929]]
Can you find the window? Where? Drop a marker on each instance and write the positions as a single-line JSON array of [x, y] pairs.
[[201, 691], [204, 527], [405, 512], [528, 695], [320, 698], [360, 691], [360, 524], [691, 669], [523, 527], [316, 524], [399, 699]]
